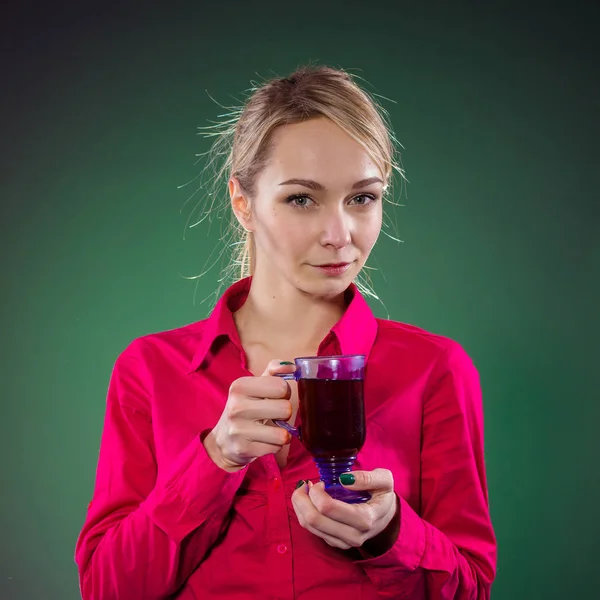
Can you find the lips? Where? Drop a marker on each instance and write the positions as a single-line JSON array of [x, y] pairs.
[[333, 265], [333, 269]]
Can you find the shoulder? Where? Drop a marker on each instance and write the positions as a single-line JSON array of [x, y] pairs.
[[437, 353], [404, 335], [172, 345], [451, 379]]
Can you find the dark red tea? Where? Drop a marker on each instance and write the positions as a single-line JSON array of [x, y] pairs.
[[333, 416]]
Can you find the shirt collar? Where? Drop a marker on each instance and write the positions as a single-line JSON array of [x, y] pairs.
[[355, 331]]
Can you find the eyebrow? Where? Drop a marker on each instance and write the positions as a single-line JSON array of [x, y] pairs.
[[315, 185]]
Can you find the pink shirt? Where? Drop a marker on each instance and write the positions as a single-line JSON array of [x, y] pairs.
[[165, 521]]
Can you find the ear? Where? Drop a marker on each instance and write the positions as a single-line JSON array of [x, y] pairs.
[[240, 204]]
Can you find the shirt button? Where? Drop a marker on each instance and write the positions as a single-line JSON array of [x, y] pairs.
[[276, 483], [282, 548]]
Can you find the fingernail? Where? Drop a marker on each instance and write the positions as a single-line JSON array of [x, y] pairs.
[[286, 362], [300, 484], [347, 478]]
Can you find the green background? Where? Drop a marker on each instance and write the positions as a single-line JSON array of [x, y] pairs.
[[497, 107]]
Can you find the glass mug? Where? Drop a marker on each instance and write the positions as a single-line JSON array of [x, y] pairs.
[[332, 412]]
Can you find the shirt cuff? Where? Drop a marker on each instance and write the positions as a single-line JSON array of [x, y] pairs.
[[195, 490], [407, 551]]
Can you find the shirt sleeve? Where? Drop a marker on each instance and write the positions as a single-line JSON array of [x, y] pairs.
[[145, 530], [451, 542]]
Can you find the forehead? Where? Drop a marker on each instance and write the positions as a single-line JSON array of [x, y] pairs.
[[318, 149]]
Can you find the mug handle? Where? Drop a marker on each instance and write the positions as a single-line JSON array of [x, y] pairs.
[[295, 431]]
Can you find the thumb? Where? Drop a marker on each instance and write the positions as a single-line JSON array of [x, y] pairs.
[[378, 480]]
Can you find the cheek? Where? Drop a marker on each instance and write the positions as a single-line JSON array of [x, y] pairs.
[[282, 234], [369, 231]]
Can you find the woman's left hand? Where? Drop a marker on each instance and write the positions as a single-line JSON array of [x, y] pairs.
[[347, 526]]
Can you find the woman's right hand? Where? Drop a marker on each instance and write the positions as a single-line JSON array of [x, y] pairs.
[[242, 433]]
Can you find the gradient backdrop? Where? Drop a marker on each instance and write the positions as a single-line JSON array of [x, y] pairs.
[[497, 107]]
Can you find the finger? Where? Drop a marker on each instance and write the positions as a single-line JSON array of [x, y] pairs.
[[378, 480], [334, 542], [248, 443], [261, 409], [279, 366], [264, 434], [358, 516], [270, 387], [259, 388], [245, 453], [334, 533], [258, 449]]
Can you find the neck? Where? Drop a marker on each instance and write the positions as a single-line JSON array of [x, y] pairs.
[[280, 317]]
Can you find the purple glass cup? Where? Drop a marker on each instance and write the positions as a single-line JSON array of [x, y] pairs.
[[332, 412]]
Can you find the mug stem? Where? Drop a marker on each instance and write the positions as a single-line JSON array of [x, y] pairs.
[[330, 470]]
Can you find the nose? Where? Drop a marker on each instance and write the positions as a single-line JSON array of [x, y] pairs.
[[335, 228]]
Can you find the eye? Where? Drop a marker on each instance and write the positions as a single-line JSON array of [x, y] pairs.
[[363, 199], [299, 201]]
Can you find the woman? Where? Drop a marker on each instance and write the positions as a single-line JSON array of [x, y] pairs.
[[197, 494]]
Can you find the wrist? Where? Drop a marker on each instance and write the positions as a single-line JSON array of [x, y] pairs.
[[384, 540], [209, 442]]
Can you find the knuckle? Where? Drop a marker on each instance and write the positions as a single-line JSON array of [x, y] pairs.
[[325, 507], [367, 478], [365, 522], [312, 520], [239, 387], [343, 545], [235, 386], [237, 448], [235, 409], [282, 388], [369, 519], [362, 525], [368, 523], [232, 430], [385, 476]]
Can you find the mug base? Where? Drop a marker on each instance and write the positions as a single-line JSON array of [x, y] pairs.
[[339, 492]]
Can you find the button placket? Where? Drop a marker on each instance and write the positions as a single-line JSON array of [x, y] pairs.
[[282, 548], [278, 529]]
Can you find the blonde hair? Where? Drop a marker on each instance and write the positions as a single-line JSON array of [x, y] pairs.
[[243, 144]]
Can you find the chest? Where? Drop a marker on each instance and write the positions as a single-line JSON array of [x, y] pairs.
[[183, 405]]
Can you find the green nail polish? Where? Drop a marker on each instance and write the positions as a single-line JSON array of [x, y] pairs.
[[300, 484], [347, 478], [286, 362]]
